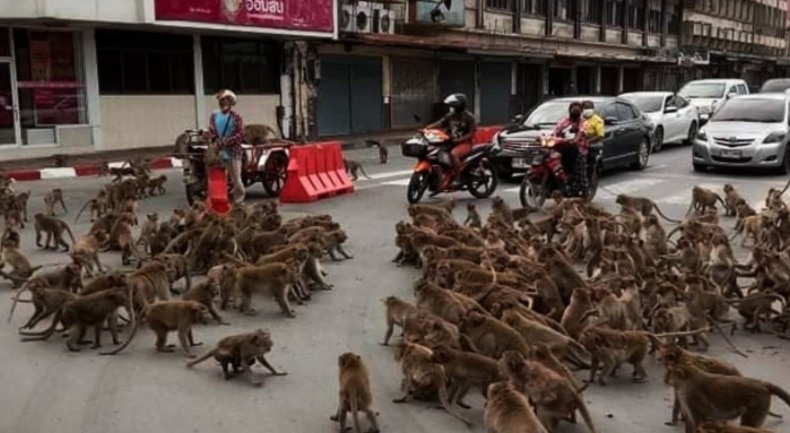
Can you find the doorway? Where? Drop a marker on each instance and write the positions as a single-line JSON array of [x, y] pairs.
[[560, 82], [9, 121], [584, 80]]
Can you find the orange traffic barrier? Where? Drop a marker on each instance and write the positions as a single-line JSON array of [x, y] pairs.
[[315, 171], [217, 195]]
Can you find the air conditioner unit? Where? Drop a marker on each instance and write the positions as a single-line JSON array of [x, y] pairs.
[[383, 21], [363, 18], [347, 18]]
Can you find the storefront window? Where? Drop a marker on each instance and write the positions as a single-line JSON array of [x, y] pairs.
[[50, 82]]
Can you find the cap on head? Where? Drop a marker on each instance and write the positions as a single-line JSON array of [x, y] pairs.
[[227, 94]]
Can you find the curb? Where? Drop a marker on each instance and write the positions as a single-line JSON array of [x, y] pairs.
[[81, 170]]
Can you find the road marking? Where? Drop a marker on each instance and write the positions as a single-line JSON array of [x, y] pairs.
[[631, 186], [399, 182], [389, 174]]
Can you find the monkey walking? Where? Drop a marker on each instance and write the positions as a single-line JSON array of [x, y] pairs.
[[353, 168], [383, 152], [52, 198], [240, 352]]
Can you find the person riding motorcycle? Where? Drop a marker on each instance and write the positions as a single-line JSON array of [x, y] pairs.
[[571, 152], [461, 125]]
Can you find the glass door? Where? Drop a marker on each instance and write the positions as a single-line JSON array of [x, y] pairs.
[[9, 120]]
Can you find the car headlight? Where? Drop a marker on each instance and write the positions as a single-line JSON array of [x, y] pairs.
[[774, 137], [702, 135]]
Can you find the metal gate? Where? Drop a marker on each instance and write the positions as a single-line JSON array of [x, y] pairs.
[[457, 76], [349, 95], [495, 88], [413, 91]]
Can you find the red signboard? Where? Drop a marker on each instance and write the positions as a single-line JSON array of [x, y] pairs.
[[299, 15]]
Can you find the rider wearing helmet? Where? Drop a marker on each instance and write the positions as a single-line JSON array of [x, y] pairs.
[[461, 125], [227, 126]]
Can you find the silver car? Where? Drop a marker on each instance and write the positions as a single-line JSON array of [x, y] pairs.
[[746, 131]]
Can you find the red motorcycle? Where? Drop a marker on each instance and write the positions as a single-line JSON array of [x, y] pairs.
[[539, 182], [432, 149]]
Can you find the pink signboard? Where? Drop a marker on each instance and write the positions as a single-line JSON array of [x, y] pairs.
[[297, 15]]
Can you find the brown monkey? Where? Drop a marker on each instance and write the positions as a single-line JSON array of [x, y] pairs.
[[473, 217], [354, 393], [509, 411], [180, 267], [45, 302], [448, 305], [10, 237], [106, 281], [54, 228], [465, 369], [333, 242], [97, 208], [276, 278], [21, 268], [166, 316], [574, 319], [157, 185], [720, 427], [715, 397], [702, 199], [731, 198], [66, 277], [399, 312], [611, 348], [121, 238], [256, 134], [353, 168], [52, 198], [492, 337], [240, 352], [643, 205], [86, 250], [148, 230], [20, 202], [205, 293], [383, 152]]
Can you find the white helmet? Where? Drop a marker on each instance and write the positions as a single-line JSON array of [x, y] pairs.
[[227, 94]]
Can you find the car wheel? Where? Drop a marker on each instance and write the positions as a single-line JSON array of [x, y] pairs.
[[642, 155], [692, 133], [700, 167], [658, 140]]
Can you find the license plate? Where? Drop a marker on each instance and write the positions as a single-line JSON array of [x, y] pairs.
[[731, 154], [520, 163]]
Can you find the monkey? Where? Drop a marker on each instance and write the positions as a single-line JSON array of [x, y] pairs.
[[465, 369], [86, 250], [276, 278], [756, 305], [575, 316], [561, 271], [333, 242], [537, 334], [66, 277], [554, 395], [450, 306], [354, 168], [715, 397], [399, 312], [148, 230], [731, 198], [354, 393], [500, 209], [643, 205], [180, 267], [121, 238], [257, 134], [702, 199], [10, 237], [105, 281], [104, 169], [205, 293], [97, 208], [492, 337], [383, 151], [52, 198], [157, 185], [720, 427], [473, 217], [21, 267], [84, 312], [20, 202], [166, 316], [54, 229], [241, 351], [508, 411]]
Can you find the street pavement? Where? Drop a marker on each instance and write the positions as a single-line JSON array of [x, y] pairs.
[[46, 389]]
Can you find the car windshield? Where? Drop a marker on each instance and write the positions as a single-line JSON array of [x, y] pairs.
[[702, 90], [548, 113], [646, 103], [751, 110], [775, 86]]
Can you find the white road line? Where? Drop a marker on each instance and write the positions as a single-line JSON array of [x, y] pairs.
[[58, 173], [399, 182], [631, 186], [389, 174]]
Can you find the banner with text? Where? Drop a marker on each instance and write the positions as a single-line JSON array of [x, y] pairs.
[[297, 15]]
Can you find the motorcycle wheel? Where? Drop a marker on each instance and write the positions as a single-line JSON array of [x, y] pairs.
[[484, 175], [417, 186], [532, 194], [274, 174]]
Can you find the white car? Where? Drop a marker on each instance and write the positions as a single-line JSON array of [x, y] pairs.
[[708, 94], [674, 119]]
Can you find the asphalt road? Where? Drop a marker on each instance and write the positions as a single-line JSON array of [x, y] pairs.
[[44, 388]]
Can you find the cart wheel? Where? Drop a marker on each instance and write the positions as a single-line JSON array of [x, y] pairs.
[[275, 173]]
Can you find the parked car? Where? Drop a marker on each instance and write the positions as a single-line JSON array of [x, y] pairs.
[[747, 131], [775, 85], [674, 119], [626, 141], [707, 95]]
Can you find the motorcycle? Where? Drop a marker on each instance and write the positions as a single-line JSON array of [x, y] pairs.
[[265, 163], [539, 182], [431, 147]]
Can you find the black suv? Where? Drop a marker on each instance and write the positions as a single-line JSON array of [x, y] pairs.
[[627, 139]]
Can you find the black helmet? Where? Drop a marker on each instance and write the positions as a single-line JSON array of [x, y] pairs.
[[457, 101]]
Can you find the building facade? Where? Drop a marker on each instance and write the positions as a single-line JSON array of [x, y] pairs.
[[78, 76]]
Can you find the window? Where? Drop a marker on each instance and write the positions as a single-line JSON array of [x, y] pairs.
[[624, 112], [742, 89], [614, 13], [654, 20], [246, 66], [636, 17], [561, 9], [534, 7], [649, 103], [681, 102], [144, 63], [751, 110], [610, 112], [592, 11], [504, 5], [673, 20], [51, 86]]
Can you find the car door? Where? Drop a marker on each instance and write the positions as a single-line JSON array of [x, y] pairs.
[[631, 135], [742, 89], [671, 119], [688, 115], [612, 135]]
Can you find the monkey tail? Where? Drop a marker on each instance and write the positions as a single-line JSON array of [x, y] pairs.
[[585, 413], [671, 232], [83, 209], [68, 229], [43, 335], [779, 392], [16, 299], [136, 325], [658, 211], [176, 240], [787, 185], [235, 259], [723, 203], [362, 170], [202, 358], [443, 399]]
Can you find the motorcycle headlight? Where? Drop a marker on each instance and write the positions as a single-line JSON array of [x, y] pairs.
[[774, 137]]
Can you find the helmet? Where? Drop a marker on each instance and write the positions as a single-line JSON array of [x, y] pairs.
[[457, 101], [227, 94]]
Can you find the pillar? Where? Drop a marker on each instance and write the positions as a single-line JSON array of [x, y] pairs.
[[200, 91], [90, 67]]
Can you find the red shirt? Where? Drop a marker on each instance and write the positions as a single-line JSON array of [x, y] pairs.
[[562, 131]]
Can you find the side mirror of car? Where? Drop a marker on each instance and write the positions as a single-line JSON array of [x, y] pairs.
[[671, 109], [610, 120], [731, 95], [518, 118]]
